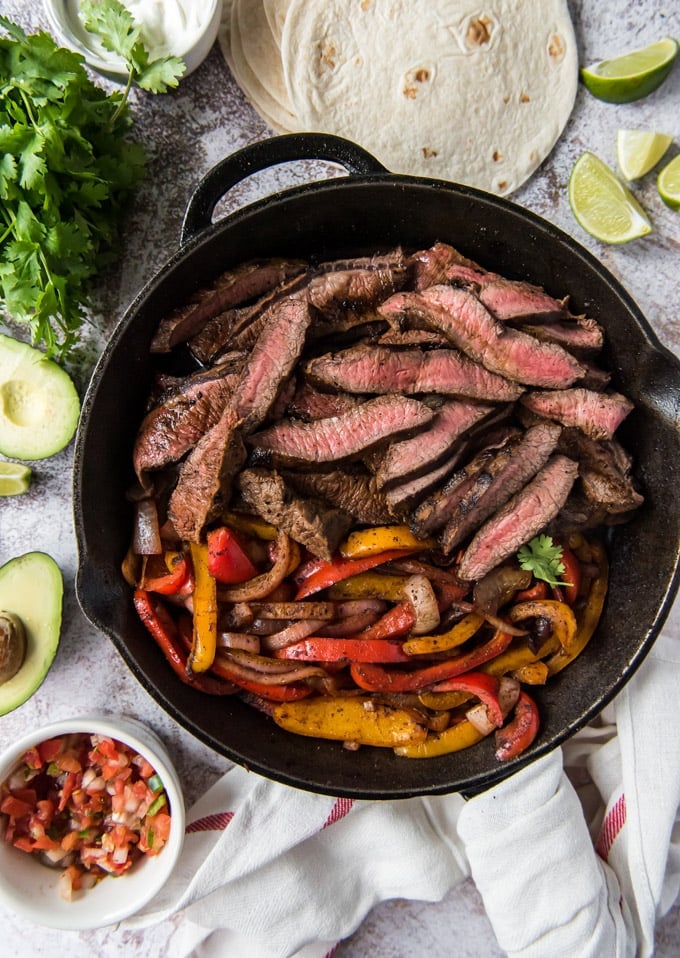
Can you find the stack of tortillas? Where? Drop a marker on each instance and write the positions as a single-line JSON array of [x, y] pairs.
[[450, 89]]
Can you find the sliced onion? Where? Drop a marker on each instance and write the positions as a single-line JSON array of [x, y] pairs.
[[359, 606], [146, 540], [350, 625], [295, 632], [295, 674], [262, 585], [508, 693], [238, 640], [419, 592]]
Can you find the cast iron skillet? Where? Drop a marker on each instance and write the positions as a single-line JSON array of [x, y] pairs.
[[368, 210]]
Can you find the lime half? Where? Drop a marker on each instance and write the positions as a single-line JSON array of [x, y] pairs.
[[602, 203], [669, 184], [15, 478], [633, 75], [638, 151]]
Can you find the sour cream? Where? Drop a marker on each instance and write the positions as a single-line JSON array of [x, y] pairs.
[[183, 28]]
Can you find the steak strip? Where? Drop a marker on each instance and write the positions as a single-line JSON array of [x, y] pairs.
[[596, 414]]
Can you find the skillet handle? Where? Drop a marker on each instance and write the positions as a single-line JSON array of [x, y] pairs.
[[262, 155]]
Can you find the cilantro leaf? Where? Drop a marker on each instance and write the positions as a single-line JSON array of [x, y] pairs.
[[543, 557]]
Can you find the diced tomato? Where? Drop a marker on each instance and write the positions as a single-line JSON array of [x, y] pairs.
[[23, 843], [45, 843], [33, 759], [15, 807], [49, 750], [28, 795], [45, 810]]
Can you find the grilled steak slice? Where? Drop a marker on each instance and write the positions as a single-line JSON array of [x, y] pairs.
[[520, 519], [406, 494], [172, 428], [412, 337], [581, 336], [379, 369], [604, 470], [353, 492], [430, 267], [272, 361], [339, 285], [433, 512], [469, 325], [507, 471], [205, 479], [596, 414], [515, 301], [233, 287], [309, 403], [311, 522], [295, 443], [413, 456]]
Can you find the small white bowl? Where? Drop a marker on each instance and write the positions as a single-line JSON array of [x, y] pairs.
[[30, 889], [67, 28]]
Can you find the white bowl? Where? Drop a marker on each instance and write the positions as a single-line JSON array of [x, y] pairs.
[[30, 888], [67, 28]]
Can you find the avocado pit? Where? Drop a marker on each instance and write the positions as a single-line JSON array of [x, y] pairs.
[[12, 645]]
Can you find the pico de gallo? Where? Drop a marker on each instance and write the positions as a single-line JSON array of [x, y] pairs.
[[87, 804]]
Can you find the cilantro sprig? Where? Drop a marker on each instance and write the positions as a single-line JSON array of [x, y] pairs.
[[543, 557], [67, 170]]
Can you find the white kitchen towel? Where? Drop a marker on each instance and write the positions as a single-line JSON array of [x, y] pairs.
[[577, 854]]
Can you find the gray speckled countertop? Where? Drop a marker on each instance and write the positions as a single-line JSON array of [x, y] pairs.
[[186, 133]]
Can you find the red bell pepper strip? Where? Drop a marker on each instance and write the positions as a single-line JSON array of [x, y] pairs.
[[520, 733], [539, 590], [275, 693], [338, 568], [162, 627], [227, 560], [350, 649], [175, 582], [477, 683], [373, 678], [571, 575]]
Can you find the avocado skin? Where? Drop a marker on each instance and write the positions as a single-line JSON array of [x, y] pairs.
[[32, 588], [39, 404]]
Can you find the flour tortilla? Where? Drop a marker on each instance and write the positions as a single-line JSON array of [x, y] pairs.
[[275, 12], [450, 89], [260, 50]]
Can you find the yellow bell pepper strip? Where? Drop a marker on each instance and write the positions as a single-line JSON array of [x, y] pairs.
[[251, 524], [484, 687], [374, 678], [518, 734], [338, 568], [453, 739], [460, 633], [370, 585], [227, 560], [351, 649], [534, 673], [588, 618], [518, 655], [559, 614], [369, 542], [356, 719], [204, 644], [443, 701], [160, 624]]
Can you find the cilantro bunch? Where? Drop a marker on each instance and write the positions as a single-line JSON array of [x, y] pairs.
[[543, 557], [67, 170]]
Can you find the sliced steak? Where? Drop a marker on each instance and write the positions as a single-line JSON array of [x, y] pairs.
[[412, 337], [309, 521], [430, 267], [520, 519], [468, 324], [272, 360], [309, 403], [432, 513], [581, 336], [507, 471], [407, 494], [382, 370], [233, 287], [515, 301], [596, 414], [339, 285], [171, 429], [294, 443], [604, 470], [353, 492], [204, 485], [424, 451]]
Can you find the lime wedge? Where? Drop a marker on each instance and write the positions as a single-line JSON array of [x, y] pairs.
[[668, 183], [602, 203], [638, 151], [633, 75], [15, 478]]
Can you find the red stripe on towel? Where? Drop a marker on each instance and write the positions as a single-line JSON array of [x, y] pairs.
[[613, 822], [210, 823], [342, 807]]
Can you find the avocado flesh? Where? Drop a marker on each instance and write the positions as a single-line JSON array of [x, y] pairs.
[[31, 588], [39, 405]]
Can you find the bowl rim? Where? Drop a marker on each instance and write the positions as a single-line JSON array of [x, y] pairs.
[[79, 914]]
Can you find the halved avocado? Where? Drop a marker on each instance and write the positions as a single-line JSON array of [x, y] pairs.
[[39, 405], [31, 590]]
